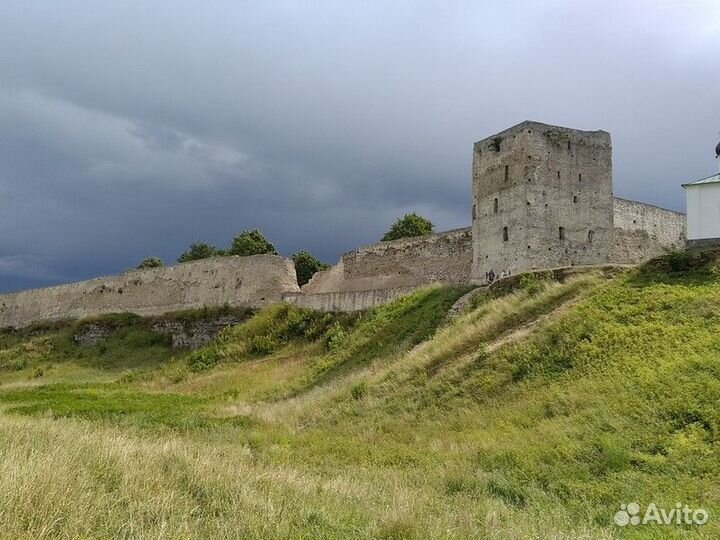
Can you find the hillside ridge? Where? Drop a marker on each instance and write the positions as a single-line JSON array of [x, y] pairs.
[[534, 413]]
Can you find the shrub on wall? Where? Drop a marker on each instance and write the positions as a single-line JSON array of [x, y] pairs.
[[408, 226], [306, 265], [251, 243], [151, 262], [199, 251]]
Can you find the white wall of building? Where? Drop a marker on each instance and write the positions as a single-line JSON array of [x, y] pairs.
[[703, 211]]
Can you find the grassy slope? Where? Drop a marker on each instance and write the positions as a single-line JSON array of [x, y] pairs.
[[532, 416]]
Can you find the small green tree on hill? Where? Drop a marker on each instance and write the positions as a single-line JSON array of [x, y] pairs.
[[199, 251], [251, 243], [408, 226], [306, 266], [151, 262]]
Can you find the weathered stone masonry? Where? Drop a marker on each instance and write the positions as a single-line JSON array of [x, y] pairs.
[[409, 262], [347, 301], [543, 198], [643, 231], [375, 275], [236, 281]]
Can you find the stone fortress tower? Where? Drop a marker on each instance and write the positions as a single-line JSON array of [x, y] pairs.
[[542, 198]]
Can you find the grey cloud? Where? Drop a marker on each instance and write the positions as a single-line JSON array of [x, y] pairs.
[[132, 129]]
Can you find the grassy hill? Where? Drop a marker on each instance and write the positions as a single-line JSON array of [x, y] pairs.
[[536, 413]]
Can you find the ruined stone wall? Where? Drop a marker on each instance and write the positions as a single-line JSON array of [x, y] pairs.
[[643, 231], [346, 301], [196, 333], [409, 262], [542, 198], [236, 281]]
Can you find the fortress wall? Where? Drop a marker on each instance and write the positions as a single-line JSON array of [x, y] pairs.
[[346, 301], [332, 279], [237, 281], [644, 231], [410, 262]]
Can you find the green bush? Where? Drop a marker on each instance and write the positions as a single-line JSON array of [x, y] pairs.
[[263, 345], [292, 323], [251, 243], [306, 266], [199, 251], [408, 226], [532, 284], [681, 261], [204, 359], [151, 262], [335, 336]]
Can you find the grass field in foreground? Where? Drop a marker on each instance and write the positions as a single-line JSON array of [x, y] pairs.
[[535, 414]]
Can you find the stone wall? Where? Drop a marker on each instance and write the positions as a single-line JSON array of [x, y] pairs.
[[542, 198], [701, 243], [346, 301], [196, 333], [236, 281], [643, 231], [410, 262]]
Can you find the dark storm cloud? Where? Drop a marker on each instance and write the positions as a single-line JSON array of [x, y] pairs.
[[132, 129]]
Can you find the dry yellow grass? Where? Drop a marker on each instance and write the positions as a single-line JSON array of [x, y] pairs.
[[70, 479]]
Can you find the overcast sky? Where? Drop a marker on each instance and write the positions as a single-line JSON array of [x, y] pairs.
[[133, 128]]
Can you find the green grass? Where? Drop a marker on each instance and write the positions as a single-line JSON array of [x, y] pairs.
[[535, 414], [384, 333], [107, 403]]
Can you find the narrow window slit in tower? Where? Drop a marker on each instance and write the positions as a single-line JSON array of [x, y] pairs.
[[507, 172], [505, 234], [562, 233], [558, 175], [495, 206], [575, 199], [591, 235], [580, 177]]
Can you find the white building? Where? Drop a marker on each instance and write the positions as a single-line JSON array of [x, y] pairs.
[[703, 209]]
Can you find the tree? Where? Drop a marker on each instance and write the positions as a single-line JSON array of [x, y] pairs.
[[408, 226], [199, 251], [306, 265], [151, 262], [251, 243]]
